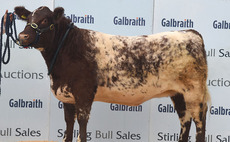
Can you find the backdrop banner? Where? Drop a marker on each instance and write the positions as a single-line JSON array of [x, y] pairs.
[[30, 112]]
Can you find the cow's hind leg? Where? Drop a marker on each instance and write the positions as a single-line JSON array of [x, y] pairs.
[[198, 112], [184, 116], [196, 102], [69, 110]]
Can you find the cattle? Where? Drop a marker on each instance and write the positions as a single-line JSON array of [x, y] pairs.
[[93, 66]]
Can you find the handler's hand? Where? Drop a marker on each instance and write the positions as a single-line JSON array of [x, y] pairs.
[[4, 21]]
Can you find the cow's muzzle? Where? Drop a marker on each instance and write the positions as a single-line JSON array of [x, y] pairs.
[[24, 39]]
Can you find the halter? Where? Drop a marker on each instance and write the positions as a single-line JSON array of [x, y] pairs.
[[39, 31], [35, 27]]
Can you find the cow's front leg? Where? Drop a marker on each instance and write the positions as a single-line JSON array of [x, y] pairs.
[[83, 107], [82, 118], [69, 110]]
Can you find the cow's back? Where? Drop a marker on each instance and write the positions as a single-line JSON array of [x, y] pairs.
[[132, 70]]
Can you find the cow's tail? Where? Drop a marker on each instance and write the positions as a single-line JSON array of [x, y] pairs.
[[206, 100]]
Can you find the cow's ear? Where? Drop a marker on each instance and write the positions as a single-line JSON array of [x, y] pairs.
[[58, 13], [22, 12]]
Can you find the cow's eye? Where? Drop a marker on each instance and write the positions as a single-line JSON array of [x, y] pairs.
[[44, 21]]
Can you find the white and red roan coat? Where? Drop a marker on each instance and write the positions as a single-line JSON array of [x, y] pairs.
[[94, 66]]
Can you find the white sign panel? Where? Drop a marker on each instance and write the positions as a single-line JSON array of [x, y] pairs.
[[211, 19], [25, 97], [109, 122]]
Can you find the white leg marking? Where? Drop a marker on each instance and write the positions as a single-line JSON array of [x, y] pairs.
[[78, 138]]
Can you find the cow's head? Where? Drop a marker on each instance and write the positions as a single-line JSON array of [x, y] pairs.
[[40, 28]]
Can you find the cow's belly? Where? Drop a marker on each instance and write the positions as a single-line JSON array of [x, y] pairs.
[[112, 95], [131, 97], [122, 95]]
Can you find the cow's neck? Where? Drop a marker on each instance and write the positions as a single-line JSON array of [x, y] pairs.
[[74, 38]]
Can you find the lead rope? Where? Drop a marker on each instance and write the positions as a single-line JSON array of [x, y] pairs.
[[9, 34], [58, 49]]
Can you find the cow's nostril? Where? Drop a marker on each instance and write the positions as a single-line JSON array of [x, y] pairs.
[[26, 36], [23, 36]]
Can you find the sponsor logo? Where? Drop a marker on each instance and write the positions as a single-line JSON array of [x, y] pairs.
[[60, 105], [220, 110], [218, 53], [86, 19], [211, 53], [221, 138], [162, 136], [12, 45], [27, 132], [104, 135], [218, 82], [127, 136], [6, 132], [117, 107], [224, 53], [168, 108], [221, 24], [61, 133], [20, 132], [21, 103], [21, 74], [165, 136], [138, 21], [186, 23], [118, 135]]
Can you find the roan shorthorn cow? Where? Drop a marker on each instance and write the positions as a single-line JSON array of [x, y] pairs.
[[93, 66]]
